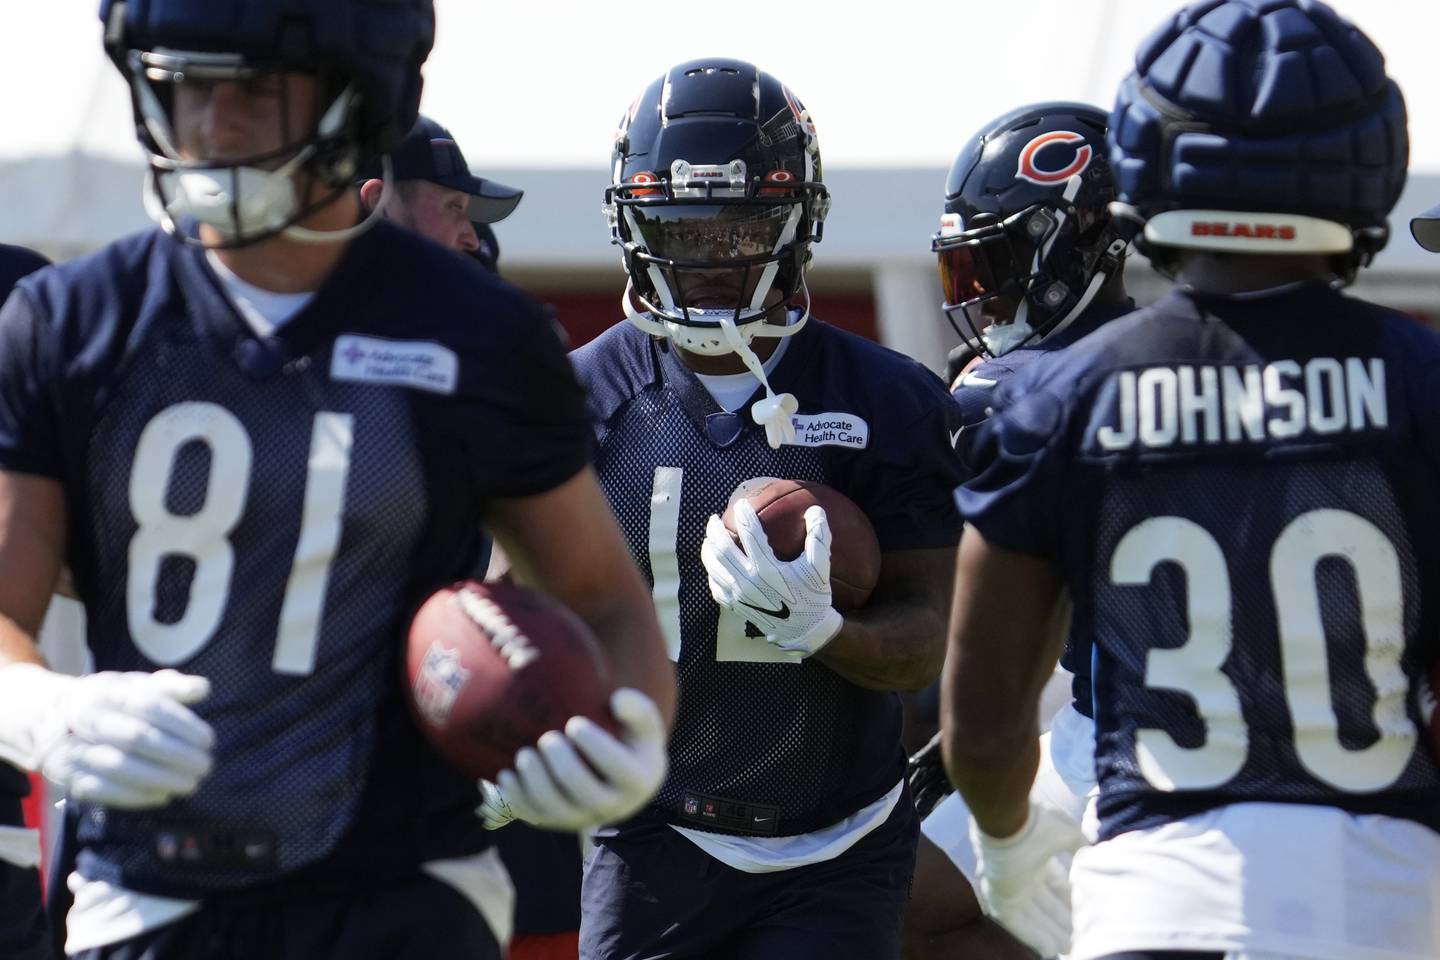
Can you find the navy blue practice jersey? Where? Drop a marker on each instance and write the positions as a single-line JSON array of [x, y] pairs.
[[267, 512], [984, 388], [763, 744], [1241, 492], [15, 263]]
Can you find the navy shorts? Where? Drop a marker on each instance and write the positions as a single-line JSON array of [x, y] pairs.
[[24, 934], [545, 869], [653, 894], [415, 917]]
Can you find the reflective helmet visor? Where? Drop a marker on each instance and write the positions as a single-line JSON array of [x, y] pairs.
[[709, 233]]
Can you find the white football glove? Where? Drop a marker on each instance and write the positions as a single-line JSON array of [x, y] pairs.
[[124, 740], [1025, 878], [788, 601], [583, 777]]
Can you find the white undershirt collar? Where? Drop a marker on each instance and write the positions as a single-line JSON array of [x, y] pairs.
[[263, 310]]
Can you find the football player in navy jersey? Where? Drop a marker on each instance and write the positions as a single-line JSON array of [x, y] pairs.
[[435, 194], [1232, 492], [784, 829], [1030, 261], [259, 436], [23, 933]]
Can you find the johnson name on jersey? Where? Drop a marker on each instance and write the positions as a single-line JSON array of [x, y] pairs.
[[266, 511], [764, 742], [1250, 534]]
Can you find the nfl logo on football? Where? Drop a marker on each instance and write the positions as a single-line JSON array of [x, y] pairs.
[[439, 682]]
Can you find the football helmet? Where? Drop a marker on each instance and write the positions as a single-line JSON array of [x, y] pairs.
[[364, 56], [1026, 239], [716, 196], [1260, 126]]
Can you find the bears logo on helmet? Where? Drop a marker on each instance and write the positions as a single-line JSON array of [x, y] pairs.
[[1029, 166], [1026, 239]]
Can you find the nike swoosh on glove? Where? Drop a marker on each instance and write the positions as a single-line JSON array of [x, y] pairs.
[[124, 740], [788, 601], [1024, 885], [583, 777]]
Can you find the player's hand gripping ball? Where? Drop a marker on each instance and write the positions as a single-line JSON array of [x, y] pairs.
[[493, 666], [854, 548]]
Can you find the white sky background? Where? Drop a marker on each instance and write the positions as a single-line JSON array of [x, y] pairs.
[[542, 84]]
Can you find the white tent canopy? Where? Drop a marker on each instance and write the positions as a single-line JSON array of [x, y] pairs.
[[532, 93], [540, 85]]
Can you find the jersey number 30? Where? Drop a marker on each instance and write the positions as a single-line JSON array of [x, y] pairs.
[[1194, 668], [204, 536]]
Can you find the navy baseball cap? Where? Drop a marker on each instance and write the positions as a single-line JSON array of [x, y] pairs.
[[1426, 229], [429, 152]]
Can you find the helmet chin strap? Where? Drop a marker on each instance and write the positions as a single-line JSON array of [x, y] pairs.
[[1005, 338], [307, 235], [774, 411], [1001, 338], [253, 200], [704, 340], [201, 194], [246, 203]]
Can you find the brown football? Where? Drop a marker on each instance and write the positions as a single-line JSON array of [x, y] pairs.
[[854, 548], [492, 666]]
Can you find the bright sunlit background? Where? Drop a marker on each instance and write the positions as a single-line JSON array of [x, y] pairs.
[[532, 92], [541, 83]]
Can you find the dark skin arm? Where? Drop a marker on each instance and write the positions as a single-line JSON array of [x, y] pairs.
[[565, 542], [1007, 630], [943, 918], [32, 547], [897, 640]]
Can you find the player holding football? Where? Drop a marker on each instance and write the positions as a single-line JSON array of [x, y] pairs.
[[260, 435], [434, 193], [1030, 262], [1235, 490], [784, 829]]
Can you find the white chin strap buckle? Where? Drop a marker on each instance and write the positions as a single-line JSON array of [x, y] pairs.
[[1001, 338], [774, 411]]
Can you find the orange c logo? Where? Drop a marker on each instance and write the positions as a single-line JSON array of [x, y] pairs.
[[645, 176], [1032, 171]]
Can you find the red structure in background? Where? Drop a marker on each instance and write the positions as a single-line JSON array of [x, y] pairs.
[[31, 806], [586, 314]]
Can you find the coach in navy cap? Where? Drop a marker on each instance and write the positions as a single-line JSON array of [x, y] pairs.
[[1426, 229], [435, 194]]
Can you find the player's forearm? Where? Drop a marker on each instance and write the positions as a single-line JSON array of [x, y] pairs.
[[898, 645], [994, 774], [636, 649], [16, 645], [897, 640], [32, 545], [989, 736]]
